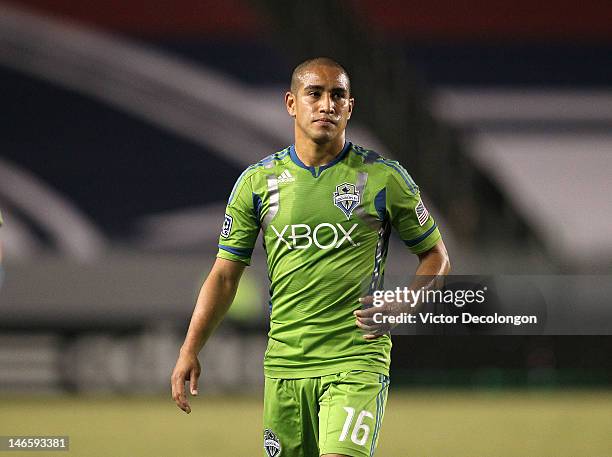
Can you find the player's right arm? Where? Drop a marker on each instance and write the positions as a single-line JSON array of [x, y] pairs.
[[238, 236], [417, 228], [215, 298]]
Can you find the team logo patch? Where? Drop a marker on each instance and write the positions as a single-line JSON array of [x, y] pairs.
[[346, 198], [227, 226], [272, 445], [421, 212]]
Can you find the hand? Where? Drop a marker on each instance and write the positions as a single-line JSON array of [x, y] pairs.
[[365, 317], [187, 369]]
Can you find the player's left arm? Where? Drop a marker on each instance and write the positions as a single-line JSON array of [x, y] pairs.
[[419, 232], [434, 264]]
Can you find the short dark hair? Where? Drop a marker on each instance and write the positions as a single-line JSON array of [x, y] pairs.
[[297, 72]]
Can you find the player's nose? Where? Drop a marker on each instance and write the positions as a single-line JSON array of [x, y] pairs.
[[326, 104]]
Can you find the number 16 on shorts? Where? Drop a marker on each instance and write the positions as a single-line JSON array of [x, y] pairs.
[[359, 431], [351, 414]]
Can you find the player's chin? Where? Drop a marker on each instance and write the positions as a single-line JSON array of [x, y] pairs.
[[322, 136]]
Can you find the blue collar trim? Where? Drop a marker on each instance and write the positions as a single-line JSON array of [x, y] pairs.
[[316, 171]]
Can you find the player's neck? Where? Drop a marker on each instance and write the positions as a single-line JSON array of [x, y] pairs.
[[315, 155]]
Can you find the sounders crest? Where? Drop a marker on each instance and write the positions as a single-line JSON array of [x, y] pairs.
[[271, 443], [346, 198]]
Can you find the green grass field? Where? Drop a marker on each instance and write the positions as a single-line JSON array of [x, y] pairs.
[[416, 424]]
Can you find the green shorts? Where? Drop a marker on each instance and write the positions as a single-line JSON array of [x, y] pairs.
[[335, 414]]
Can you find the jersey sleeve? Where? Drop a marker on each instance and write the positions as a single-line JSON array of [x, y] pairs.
[[409, 216], [240, 223]]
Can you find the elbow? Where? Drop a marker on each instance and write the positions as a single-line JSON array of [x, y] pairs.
[[227, 272], [446, 265], [227, 280], [445, 260]]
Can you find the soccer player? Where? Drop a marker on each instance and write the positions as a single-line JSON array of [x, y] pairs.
[[326, 208]]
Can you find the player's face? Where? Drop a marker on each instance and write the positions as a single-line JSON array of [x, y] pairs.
[[321, 105]]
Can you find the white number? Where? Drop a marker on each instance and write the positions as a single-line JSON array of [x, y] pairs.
[[350, 412], [359, 425]]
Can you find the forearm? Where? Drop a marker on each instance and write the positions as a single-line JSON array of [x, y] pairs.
[[431, 267], [214, 300]]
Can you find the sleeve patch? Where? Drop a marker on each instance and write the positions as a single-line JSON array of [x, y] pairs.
[[226, 229], [421, 213]]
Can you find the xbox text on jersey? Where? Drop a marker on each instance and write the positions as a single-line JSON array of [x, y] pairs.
[[290, 234]]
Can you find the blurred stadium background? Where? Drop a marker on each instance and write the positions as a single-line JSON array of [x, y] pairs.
[[125, 125]]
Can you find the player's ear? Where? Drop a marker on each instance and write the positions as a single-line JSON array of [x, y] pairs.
[[350, 107], [290, 103]]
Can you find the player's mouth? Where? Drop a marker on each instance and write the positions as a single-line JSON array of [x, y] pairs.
[[325, 121]]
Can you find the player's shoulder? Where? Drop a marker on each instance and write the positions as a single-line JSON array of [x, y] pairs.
[[267, 165], [379, 166], [372, 160], [275, 159], [255, 174]]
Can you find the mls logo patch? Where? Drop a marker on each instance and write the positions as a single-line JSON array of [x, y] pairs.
[[272, 445], [227, 226], [421, 212], [346, 198]]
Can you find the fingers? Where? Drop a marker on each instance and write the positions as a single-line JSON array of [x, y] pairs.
[[365, 319], [375, 333], [367, 300], [180, 399], [366, 324], [366, 313], [370, 310], [178, 392], [193, 381], [187, 369], [373, 329]]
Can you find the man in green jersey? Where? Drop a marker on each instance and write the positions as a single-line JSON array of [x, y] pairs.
[[325, 208]]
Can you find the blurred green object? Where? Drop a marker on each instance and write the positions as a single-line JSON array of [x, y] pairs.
[[247, 306], [432, 423]]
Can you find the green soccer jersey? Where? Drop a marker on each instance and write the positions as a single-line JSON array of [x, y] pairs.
[[325, 232]]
